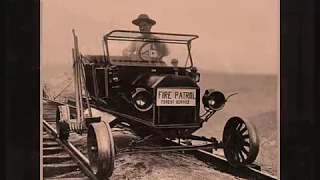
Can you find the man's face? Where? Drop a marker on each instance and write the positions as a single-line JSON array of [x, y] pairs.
[[144, 26]]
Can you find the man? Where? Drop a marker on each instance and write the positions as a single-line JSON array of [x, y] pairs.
[[145, 24]]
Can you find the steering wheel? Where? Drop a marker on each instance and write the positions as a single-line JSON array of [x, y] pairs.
[[149, 51]]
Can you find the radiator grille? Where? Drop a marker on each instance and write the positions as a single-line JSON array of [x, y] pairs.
[[176, 115]]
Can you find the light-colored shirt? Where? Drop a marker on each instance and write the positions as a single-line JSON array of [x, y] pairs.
[[134, 47]]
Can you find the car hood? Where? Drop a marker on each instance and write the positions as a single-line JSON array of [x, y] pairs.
[[154, 81]]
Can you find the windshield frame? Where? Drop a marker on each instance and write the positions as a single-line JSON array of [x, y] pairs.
[[188, 38]]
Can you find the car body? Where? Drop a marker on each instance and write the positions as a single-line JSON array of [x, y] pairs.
[[155, 93], [170, 93]]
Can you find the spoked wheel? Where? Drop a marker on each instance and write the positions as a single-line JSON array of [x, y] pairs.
[[62, 127], [101, 151], [240, 142]]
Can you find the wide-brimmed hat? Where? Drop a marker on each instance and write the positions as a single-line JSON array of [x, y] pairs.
[[143, 17]]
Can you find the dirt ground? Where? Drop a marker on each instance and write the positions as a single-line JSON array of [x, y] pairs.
[[256, 101], [158, 166]]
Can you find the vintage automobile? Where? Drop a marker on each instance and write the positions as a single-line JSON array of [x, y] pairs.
[[155, 93]]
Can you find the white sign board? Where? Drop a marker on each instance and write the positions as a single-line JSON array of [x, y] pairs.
[[176, 97]]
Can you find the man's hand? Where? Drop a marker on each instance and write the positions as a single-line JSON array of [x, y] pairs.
[[133, 57]]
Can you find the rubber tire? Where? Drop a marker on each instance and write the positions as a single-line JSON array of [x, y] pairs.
[[253, 142]]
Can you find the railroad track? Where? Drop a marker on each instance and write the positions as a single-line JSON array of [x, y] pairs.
[[61, 160], [82, 163]]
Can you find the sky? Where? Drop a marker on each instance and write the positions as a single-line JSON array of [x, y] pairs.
[[234, 36]]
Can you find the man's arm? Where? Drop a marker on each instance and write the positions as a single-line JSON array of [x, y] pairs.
[[129, 50], [163, 48]]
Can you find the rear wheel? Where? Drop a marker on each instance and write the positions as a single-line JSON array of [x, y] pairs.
[[240, 142], [101, 149]]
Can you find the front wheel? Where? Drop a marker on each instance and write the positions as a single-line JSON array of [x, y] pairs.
[[240, 142], [101, 150]]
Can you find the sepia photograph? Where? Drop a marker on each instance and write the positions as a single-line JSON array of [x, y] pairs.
[[160, 90]]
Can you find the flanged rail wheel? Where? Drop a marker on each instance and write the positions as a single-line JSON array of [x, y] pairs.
[[101, 151], [240, 142], [62, 127]]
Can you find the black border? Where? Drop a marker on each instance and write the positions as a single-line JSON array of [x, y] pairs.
[[298, 89], [22, 88], [22, 77]]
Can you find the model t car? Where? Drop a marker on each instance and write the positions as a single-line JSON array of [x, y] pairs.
[[155, 93]]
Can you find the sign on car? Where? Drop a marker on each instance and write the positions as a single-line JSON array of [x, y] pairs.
[[176, 97]]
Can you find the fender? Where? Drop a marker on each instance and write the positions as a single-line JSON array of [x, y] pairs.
[[106, 117]]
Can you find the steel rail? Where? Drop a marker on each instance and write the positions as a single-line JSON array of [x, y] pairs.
[[72, 151], [220, 162]]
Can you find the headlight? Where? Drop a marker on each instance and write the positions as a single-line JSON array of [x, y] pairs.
[[142, 100], [214, 100], [115, 77], [196, 77]]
